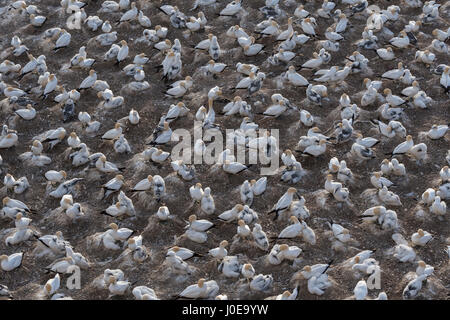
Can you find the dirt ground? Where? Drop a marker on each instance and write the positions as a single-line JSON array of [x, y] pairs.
[[26, 282]]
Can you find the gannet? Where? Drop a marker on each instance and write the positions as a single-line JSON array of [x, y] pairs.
[[421, 237], [243, 230], [230, 215], [403, 147], [424, 269], [63, 40], [445, 79], [230, 267], [260, 237], [261, 282], [65, 187], [308, 25], [400, 42], [231, 8], [9, 263], [300, 12], [55, 176], [404, 253], [61, 265], [89, 81], [295, 78], [247, 271], [293, 230], [144, 293], [52, 285], [220, 252], [360, 290], [195, 291], [438, 207], [413, 287], [117, 287], [394, 74]]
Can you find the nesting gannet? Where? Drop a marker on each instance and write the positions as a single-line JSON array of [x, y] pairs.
[[438, 207], [220, 252], [65, 187], [63, 40], [421, 237], [89, 81], [424, 269], [55, 176], [52, 285], [117, 287], [144, 293], [9, 263]]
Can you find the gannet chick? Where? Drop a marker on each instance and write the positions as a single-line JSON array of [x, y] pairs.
[[22, 183], [78, 258], [121, 145], [246, 193], [445, 174], [360, 290], [413, 287], [248, 272], [230, 267], [318, 284], [404, 253], [438, 207], [176, 263], [260, 237], [261, 282]]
